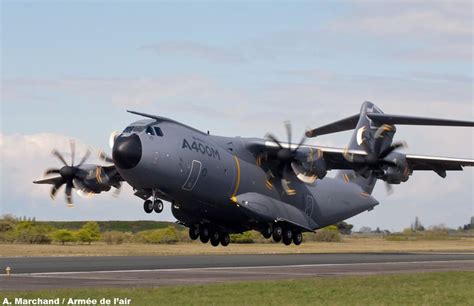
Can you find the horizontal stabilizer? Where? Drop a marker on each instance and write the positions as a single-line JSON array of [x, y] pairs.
[[408, 120], [348, 123]]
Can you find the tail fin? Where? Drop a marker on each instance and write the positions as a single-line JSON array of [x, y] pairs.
[[366, 128]]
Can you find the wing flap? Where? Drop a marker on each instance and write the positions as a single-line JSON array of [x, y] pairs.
[[422, 162]]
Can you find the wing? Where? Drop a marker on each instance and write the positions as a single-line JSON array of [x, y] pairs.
[[335, 157], [438, 164]]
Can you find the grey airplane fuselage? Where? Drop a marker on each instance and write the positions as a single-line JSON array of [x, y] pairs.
[[201, 174]]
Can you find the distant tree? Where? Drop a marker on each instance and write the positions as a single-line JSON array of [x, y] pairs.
[[63, 235], [30, 232], [344, 228], [417, 226], [90, 232], [365, 229], [469, 226]]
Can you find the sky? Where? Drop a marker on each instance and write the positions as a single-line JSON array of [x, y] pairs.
[[70, 70]]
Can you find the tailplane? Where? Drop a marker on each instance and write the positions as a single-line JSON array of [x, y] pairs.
[[373, 133], [366, 131]]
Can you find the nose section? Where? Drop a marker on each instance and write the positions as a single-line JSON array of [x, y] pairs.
[[127, 151]]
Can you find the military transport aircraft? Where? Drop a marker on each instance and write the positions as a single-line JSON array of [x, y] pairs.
[[220, 185]]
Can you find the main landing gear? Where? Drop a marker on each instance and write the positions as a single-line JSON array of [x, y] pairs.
[[156, 205], [206, 233], [284, 234]]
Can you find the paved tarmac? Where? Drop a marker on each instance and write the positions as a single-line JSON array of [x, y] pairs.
[[124, 271]]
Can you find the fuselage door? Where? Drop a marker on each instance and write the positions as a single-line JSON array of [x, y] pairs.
[[193, 175]]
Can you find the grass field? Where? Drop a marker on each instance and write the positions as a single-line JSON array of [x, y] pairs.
[[348, 245], [121, 226], [443, 288]]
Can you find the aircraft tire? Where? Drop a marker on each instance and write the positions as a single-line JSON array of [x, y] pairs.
[[193, 232], [204, 234], [286, 236], [215, 238], [225, 239], [158, 206], [267, 232], [297, 237], [148, 206], [277, 232]]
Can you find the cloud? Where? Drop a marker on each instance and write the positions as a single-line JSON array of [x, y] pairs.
[[417, 31], [195, 50], [24, 157], [118, 91]]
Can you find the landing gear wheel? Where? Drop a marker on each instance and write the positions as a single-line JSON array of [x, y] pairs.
[[193, 232], [148, 206], [214, 238], [267, 232], [297, 237], [158, 206], [225, 239], [286, 236], [204, 234], [277, 232]]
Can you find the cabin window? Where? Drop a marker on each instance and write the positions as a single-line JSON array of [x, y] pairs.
[[149, 130], [135, 129], [158, 131]]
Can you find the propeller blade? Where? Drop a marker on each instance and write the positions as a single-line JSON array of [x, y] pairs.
[[51, 171], [112, 138], [105, 157], [56, 187], [78, 184], [288, 131], [69, 192], [367, 148], [301, 175], [347, 156], [393, 147], [286, 187], [84, 158], [117, 190], [379, 136], [73, 151], [271, 137], [303, 139], [388, 188], [84, 194], [59, 156]]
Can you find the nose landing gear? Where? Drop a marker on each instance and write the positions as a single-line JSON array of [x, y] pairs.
[[156, 205]]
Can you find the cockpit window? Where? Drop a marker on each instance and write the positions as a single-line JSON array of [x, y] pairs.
[[149, 130], [136, 129], [158, 131]]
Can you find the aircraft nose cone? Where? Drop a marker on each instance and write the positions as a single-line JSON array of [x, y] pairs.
[[127, 151]]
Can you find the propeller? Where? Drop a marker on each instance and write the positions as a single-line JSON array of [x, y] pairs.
[[69, 175], [303, 164], [374, 160], [112, 138]]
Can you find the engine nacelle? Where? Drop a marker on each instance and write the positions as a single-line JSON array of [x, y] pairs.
[[397, 174], [309, 165]]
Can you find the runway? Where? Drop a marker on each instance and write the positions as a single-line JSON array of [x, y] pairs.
[[124, 271]]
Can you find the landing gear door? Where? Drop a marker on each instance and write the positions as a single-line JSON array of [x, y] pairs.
[[309, 205], [193, 176]]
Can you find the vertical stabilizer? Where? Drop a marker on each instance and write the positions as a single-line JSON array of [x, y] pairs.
[[366, 128]]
